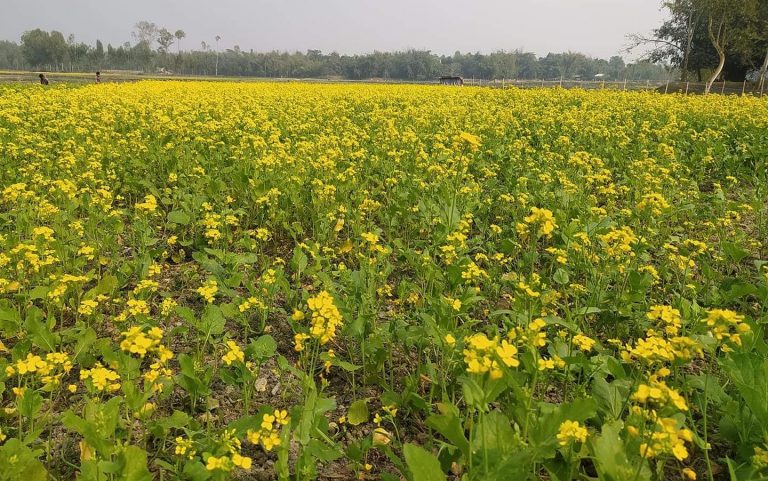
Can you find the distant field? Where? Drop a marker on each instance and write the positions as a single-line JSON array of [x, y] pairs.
[[10, 76], [78, 78], [229, 280]]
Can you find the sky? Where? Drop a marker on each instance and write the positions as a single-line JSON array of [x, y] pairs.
[[594, 27]]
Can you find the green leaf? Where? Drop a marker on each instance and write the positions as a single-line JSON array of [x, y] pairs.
[[38, 292], [321, 451], [84, 342], [610, 397], [178, 217], [336, 362], [610, 457], [176, 420], [299, 260], [186, 313], [494, 435], [20, 462], [449, 425], [587, 310], [262, 348], [561, 276], [424, 466], [212, 322], [229, 310], [749, 372], [734, 252], [9, 317], [39, 332], [135, 464], [551, 416], [30, 403], [106, 285], [195, 471], [358, 412]]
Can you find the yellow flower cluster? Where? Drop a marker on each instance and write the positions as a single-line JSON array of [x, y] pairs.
[[136, 341], [227, 462], [326, 317], [149, 204], [667, 438], [268, 432], [657, 349], [543, 220], [654, 202], [101, 378], [49, 370], [617, 243], [250, 303], [234, 353], [669, 316], [184, 447], [583, 342], [571, 431], [659, 394], [726, 325], [760, 458], [482, 355], [208, 290]]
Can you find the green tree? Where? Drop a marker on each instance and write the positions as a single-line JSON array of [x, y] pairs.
[[179, 35], [35, 47], [164, 40], [145, 32]]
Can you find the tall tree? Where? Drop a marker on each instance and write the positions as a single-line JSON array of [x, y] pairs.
[[179, 35], [145, 32], [35, 47], [727, 24], [164, 40], [675, 39]]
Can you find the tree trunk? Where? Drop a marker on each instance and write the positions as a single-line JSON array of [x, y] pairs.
[[688, 47], [717, 42], [763, 71], [716, 73]]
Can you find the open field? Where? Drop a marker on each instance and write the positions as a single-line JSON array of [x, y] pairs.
[[666, 87], [220, 280]]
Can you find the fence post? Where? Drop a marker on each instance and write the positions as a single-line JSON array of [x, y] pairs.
[[666, 88], [686, 87], [542, 82], [647, 85], [625, 84], [561, 81], [744, 87], [722, 90]]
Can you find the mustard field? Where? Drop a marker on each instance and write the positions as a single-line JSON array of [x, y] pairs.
[[288, 281]]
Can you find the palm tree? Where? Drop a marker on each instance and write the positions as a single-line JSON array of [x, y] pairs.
[[179, 34]]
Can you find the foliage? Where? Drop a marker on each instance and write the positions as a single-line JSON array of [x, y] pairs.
[[698, 31], [209, 281], [405, 65]]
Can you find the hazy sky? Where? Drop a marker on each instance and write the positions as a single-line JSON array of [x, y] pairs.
[[594, 27]]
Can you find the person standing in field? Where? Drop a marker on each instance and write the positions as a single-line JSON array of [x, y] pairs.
[[43, 79], [98, 77]]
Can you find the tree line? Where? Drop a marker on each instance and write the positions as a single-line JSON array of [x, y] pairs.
[[157, 49], [712, 39]]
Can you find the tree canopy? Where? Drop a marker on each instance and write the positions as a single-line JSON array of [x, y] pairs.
[[151, 50], [724, 39]]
